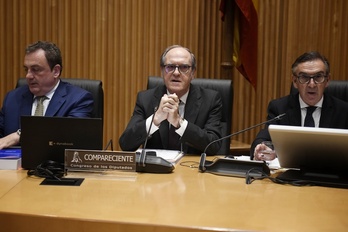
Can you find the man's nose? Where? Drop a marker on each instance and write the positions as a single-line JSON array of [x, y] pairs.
[[176, 71], [29, 74], [312, 82]]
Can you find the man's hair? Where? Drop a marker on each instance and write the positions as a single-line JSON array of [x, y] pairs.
[[193, 58], [52, 53], [310, 56]]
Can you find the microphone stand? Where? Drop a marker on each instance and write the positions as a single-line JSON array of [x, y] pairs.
[[149, 161], [226, 166], [143, 152], [244, 130]]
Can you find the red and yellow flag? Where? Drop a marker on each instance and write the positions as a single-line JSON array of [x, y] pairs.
[[245, 27]]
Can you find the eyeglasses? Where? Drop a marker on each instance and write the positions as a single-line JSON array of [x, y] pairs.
[[305, 79], [183, 68]]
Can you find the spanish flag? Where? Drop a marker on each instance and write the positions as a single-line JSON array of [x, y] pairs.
[[245, 26]]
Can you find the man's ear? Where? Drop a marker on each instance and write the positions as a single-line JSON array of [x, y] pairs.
[[328, 80], [294, 81], [193, 75], [56, 70]]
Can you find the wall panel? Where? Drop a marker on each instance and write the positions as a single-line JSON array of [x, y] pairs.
[[120, 42]]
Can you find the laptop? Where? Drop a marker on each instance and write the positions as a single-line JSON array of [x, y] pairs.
[[315, 155], [46, 138]]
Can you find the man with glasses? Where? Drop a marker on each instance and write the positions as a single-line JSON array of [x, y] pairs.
[[177, 115], [309, 107]]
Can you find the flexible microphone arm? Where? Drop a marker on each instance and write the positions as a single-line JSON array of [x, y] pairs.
[[143, 153], [109, 144], [249, 128]]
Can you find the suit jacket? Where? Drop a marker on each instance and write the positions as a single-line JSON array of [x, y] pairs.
[[203, 111], [334, 114], [67, 101]]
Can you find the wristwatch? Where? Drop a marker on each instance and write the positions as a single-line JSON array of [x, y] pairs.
[[19, 132]]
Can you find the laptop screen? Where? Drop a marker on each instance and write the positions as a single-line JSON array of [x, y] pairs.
[[46, 138], [310, 148]]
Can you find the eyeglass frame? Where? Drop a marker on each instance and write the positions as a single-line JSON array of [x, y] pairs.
[[321, 75], [177, 67]]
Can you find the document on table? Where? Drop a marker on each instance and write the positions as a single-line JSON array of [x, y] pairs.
[[172, 156], [273, 164]]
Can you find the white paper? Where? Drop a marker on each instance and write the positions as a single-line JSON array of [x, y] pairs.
[[172, 156], [273, 164]]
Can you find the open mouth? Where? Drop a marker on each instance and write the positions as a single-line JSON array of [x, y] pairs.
[[175, 81], [311, 93]]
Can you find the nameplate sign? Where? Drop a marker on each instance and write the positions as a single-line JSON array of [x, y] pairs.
[[94, 160]]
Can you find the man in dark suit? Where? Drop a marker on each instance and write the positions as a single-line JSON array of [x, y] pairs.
[[310, 75], [43, 66], [178, 114]]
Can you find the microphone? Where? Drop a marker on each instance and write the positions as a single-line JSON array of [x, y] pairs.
[[244, 130], [143, 152], [147, 161], [233, 167]]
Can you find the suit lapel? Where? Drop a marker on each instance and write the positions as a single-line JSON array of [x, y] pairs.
[[27, 102], [57, 100], [192, 107], [326, 113], [193, 104], [294, 113]]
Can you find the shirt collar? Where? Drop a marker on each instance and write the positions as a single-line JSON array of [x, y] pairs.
[[304, 105]]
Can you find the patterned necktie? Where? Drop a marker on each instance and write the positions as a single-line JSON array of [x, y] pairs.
[[309, 121], [173, 137], [39, 106]]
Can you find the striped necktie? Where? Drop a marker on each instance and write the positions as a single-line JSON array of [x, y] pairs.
[[174, 138], [39, 106]]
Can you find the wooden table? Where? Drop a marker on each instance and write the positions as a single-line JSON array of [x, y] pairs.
[[9, 179], [185, 200]]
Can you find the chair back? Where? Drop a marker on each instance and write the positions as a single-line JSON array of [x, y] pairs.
[[338, 89], [225, 88], [95, 87]]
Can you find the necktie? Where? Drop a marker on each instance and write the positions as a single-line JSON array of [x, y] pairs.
[[173, 137], [309, 121], [40, 107]]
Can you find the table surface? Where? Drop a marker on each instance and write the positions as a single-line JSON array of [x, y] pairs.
[[185, 200]]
